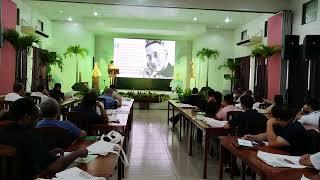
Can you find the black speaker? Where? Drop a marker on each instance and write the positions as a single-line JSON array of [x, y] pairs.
[[311, 47], [291, 46]]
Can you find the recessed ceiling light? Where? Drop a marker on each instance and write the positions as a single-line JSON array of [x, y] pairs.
[[227, 20], [195, 18], [95, 14], [70, 19], [60, 11]]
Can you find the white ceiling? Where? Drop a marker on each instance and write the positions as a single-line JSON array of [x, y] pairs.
[[138, 19]]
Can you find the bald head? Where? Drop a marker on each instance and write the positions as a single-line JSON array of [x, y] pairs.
[[50, 108]]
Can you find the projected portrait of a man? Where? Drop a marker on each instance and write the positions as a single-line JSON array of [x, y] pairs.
[[158, 65]]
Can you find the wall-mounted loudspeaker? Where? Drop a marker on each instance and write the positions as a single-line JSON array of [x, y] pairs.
[[291, 48], [311, 47]]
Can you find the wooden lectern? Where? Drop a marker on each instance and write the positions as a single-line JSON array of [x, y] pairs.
[[113, 71]]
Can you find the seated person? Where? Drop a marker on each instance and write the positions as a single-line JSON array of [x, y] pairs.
[[213, 103], [282, 132], [277, 100], [88, 106], [257, 102], [249, 121], [310, 113], [194, 99], [311, 160], [50, 112], [33, 155], [109, 101], [237, 93], [18, 92], [227, 106], [56, 93], [41, 92], [115, 94]]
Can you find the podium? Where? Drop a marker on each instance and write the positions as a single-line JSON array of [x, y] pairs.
[[113, 71]]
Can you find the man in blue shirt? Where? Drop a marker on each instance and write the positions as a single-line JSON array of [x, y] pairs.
[[50, 112], [109, 101]]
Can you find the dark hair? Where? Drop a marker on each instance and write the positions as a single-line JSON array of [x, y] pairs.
[[249, 92], [313, 103], [21, 107], [211, 92], [112, 86], [57, 85], [49, 108], [40, 88], [17, 87], [257, 98], [195, 91], [218, 96], [90, 99], [282, 112], [247, 101], [228, 99], [278, 99]]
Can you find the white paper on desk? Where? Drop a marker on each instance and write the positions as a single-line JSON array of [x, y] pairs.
[[101, 147], [87, 159], [215, 123], [181, 105], [278, 160], [113, 118], [304, 178], [246, 143], [76, 174]]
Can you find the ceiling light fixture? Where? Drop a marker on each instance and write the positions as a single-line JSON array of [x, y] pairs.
[[60, 11], [95, 14], [70, 19], [227, 20], [195, 18]]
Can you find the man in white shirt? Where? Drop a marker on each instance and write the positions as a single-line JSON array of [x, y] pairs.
[[311, 160], [41, 92], [18, 92], [309, 113]]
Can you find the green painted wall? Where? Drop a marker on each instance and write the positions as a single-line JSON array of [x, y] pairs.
[[104, 53], [66, 34]]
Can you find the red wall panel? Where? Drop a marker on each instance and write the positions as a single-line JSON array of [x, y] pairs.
[[7, 52], [274, 62]]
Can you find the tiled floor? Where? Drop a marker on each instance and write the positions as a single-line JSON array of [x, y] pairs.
[[155, 152]]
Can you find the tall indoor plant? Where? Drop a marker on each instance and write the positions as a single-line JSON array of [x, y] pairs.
[[49, 59], [232, 65], [76, 51], [208, 54], [264, 52], [22, 44]]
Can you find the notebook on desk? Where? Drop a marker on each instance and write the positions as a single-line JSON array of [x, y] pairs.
[[278, 160]]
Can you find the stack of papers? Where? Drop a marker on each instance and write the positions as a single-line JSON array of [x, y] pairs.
[[181, 105], [277, 160], [244, 143], [101, 147], [76, 174]]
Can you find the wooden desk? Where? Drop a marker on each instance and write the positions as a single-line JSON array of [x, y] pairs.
[[249, 157], [69, 102], [102, 166], [208, 131]]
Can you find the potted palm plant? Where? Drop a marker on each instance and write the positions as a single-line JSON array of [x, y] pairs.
[[264, 52], [49, 59], [22, 44], [232, 65], [76, 51], [208, 54]]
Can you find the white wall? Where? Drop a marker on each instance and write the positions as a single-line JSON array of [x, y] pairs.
[[219, 39], [66, 34], [312, 28]]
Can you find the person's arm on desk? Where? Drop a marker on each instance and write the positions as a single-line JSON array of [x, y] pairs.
[[63, 162], [102, 110], [258, 137], [311, 160], [273, 139]]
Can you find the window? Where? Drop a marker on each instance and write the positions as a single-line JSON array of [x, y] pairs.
[[40, 26], [309, 11], [244, 35], [18, 16]]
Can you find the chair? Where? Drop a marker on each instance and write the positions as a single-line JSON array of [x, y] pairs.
[[81, 120], [55, 137], [9, 167], [35, 99], [5, 105]]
